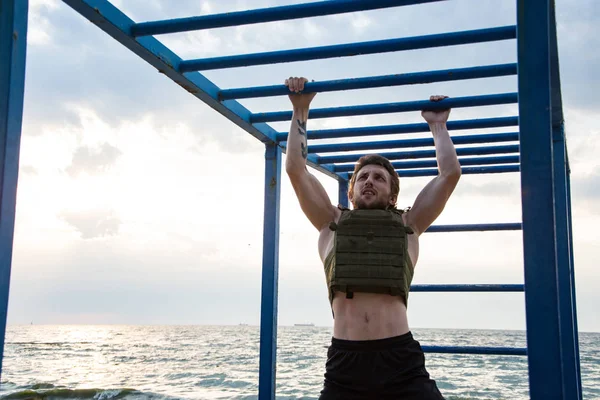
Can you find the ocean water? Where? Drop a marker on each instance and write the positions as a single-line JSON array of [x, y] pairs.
[[221, 362]]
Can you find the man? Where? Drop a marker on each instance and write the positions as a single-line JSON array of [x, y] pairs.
[[369, 255]]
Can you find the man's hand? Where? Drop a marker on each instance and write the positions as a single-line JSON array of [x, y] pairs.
[[300, 101], [436, 117]]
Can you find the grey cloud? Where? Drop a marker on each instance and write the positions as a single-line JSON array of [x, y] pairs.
[[93, 160], [93, 224]]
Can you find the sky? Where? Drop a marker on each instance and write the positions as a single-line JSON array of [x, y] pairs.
[[139, 204]]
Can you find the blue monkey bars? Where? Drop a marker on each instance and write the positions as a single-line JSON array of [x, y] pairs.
[[538, 152]]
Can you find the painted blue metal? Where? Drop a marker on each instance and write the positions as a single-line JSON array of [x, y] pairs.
[[343, 193], [405, 155], [118, 25], [433, 163], [405, 143], [553, 348], [351, 49], [270, 14], [511, 226], [270, 274], [496, 169], [375, 81], [480, 123], [370, 109], [13, 49], [572, 270], [567, 331], [539, 245], [468, 288], [501, 351]]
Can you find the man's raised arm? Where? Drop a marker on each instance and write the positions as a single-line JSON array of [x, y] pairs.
[[430, 203], [313, 198]]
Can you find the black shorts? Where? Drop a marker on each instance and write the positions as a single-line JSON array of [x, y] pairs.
[[391, 368]]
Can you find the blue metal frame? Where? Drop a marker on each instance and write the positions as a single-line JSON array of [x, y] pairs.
[[267, 15], [563, 259], [351, 49], [270, 274], [371, 109], [416, 154], [413, 78], [411, 143], [13, 49], [405, 128], [539, 240], [538, 153]]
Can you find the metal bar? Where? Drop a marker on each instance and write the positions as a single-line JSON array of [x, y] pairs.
[[563, 259], [500, 351], [270, 14], [555, 86], [433, 163], [413, 78], [480, 123], [270, 274], [572, 270], [512, 226], [13, 49], [541, 295], [118, 25], [468, 288], [351, 49], [415, 154], [386, 108], [425, 142], [343, 193], [496, 169]]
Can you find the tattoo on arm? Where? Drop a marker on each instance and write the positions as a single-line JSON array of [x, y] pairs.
[[302, 132]]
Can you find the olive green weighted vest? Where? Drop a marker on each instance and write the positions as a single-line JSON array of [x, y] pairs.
[[370, 254]]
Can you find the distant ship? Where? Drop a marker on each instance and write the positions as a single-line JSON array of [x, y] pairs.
[[310, 324]]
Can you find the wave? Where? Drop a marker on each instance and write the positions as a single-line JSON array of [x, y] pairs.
[[49, 392]]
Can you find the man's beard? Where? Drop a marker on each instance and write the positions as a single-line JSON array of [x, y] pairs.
[[376, 205]]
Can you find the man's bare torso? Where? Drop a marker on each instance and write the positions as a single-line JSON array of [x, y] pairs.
[[367, 316]]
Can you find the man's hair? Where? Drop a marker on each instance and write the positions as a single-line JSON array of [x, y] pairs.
[[376, 159]]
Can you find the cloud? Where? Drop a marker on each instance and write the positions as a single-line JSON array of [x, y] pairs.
[[93, 160], [93, 224]]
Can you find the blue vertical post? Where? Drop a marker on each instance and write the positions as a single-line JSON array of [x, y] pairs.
[[343, 192], [270, 274], [563, 259], [537, 198], [13, 46], [572, 271]]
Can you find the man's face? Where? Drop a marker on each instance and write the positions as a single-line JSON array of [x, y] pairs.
[[372, 188]]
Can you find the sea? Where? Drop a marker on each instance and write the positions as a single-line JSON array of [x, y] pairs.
[[221, 362]]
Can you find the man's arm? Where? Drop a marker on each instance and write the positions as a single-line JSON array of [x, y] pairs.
[[313, 198], [430, 203]]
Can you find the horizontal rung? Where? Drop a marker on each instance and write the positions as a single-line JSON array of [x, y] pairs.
[[480, 123], [500, 351], [425, 142], [404, 155], [496, 169], [513, 226], [385, 108], [375, 81], [351, 49], [270, 14], [433, 163], [469, 288]]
